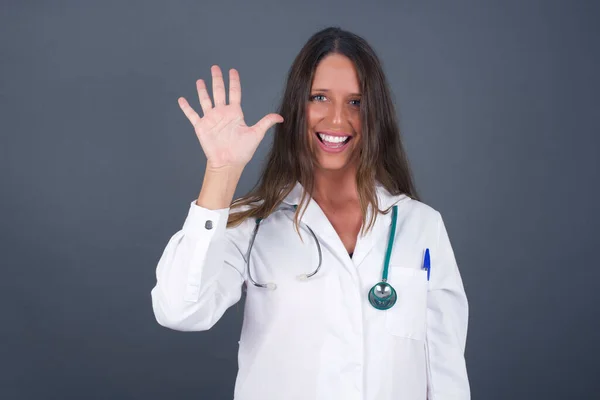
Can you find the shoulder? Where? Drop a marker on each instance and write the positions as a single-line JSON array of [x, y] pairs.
[[407, 205], [418, 212], [418, 207], [241, 230]]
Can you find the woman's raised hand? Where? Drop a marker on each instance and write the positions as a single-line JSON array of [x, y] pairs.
[[224, 136]]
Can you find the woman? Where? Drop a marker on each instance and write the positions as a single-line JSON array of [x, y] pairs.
[[320, 319]]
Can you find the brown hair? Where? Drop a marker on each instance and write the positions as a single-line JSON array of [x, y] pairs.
[[382, 156]]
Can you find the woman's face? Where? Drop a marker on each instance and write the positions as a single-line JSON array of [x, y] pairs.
[[333, 113]]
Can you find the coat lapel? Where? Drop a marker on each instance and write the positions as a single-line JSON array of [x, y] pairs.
[[381, 227], [316, 219]]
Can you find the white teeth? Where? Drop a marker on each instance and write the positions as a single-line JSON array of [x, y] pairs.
[[333, 139]]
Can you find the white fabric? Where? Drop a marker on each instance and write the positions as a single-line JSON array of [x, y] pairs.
[[320, 338]]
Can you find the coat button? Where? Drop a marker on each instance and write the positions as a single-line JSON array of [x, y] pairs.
[[208, 224]]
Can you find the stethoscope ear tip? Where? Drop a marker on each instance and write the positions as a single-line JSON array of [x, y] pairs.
[[302, 277], [271, 286]]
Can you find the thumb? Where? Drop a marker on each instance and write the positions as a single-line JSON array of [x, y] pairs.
[[267, 122]]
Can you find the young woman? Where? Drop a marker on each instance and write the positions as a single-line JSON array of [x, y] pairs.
[[352, 287]]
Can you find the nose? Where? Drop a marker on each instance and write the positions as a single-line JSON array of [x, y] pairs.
[[337, 113]]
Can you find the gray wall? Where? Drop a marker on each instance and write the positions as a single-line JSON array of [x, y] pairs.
[[498, 103]]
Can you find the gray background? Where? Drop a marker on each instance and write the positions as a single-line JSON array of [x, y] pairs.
[[498, 103]]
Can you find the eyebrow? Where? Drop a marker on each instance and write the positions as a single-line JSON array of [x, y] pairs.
[[327, 91]]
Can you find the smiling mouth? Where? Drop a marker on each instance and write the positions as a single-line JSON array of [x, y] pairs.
[[333, 144]]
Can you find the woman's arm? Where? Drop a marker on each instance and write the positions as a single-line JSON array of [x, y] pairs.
[[201, 270], [447, 321]]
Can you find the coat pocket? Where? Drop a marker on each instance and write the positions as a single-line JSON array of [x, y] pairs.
[[408, 317]]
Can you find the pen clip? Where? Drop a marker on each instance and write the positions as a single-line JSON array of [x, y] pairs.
[[427, 262]]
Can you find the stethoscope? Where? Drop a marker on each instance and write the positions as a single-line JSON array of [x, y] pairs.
[[382, 296]]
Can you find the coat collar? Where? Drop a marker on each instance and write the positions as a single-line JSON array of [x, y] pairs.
[[386, 199], [315, 218]]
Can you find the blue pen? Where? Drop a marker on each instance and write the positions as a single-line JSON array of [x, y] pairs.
[[427, 263]]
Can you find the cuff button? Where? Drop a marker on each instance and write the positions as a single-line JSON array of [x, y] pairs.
[[208, 224]]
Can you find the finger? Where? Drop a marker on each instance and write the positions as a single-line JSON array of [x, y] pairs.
[[218, 86], [203, 96], [267, 122], [188, 111], [235, 87]]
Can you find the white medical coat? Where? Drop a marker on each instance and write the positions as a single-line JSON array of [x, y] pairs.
[[320, 339]]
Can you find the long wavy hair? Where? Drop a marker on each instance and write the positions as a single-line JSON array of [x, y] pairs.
[[382, 156]]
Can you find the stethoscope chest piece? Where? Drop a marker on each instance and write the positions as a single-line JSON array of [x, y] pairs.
[[382, 296]]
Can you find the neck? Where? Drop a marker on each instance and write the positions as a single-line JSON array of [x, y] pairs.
[[335, 188]]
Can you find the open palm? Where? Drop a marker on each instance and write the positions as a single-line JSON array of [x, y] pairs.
[[224, 136]]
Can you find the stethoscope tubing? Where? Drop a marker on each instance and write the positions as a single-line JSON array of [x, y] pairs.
[[271, 285]]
